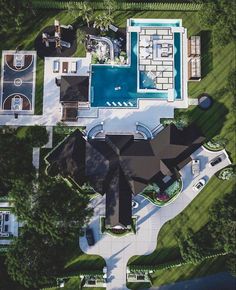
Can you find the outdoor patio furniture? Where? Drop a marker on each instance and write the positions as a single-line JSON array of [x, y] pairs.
[[113, 27], [65, 67]]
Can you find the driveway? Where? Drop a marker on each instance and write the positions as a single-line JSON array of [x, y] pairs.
[[150, 219]]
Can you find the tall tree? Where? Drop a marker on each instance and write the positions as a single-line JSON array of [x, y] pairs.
[[102, 21], [86, 12], [51, 207], [34, 260], [15, 160], [219, 15], [110, 5]]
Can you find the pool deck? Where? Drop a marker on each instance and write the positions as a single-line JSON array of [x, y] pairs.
[[115, 119]]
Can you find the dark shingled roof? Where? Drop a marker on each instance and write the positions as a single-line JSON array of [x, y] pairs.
[[118, 200], [120, 166], [74, 89]]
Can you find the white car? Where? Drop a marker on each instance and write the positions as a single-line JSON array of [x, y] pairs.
[[199, 185], [196, 167], [134, 204]]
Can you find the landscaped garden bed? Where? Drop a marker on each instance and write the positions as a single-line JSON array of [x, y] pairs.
[[118, 232], [162, 198], [213, 146], [216, 144]]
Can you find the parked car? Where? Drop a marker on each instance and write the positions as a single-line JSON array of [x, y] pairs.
[[134, 204], [90, 237], [217, 160], [199, 185], [196, 167]]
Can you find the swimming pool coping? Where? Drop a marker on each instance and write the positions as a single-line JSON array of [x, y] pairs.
[[181, 30]]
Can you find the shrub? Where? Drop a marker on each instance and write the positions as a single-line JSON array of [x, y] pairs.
[[227, 173], [174, 188], [36, 136], [119, 5]]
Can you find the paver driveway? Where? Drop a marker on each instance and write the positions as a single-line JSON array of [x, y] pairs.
[[150, 219]]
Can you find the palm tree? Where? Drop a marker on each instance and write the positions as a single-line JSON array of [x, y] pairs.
[[86, 12], [103, 21], [110, 5]]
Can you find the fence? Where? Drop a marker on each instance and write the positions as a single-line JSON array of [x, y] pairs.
[[118, 5]]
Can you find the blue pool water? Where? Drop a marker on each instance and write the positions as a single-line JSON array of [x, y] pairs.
[[138, 22], [145, 82], [116, 86], [177, 64]]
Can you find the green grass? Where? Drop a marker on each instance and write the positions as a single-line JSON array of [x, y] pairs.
[[138, 285], [195, 216], [71, 284], [217, 62], [208, 267], [219, 120]]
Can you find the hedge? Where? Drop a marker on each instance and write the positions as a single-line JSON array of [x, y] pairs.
[[45, 4], [174, 264]]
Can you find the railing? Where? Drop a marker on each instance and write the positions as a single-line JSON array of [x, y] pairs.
[[144, 130], [157, 130], [94, 131]]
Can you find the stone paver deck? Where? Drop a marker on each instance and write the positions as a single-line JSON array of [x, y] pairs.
[[150, 219]]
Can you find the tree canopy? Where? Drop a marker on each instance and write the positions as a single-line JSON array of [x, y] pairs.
[[13, 13], [34, 260], [219, 15], [50, 206], [53, 214], [15, 159], [217, 236]]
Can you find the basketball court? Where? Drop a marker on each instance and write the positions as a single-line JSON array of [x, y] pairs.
[[18, 82]]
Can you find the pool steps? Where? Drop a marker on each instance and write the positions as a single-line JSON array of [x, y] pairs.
[[123, 104]]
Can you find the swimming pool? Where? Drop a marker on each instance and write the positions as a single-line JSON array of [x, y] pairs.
[[116, 85], [156, 22]]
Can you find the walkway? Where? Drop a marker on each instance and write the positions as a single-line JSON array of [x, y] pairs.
[[150, 219], [219, 281]]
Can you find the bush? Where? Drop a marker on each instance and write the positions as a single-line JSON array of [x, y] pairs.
[[227, 173], [216, 144], [174, 188], [36, 136], [180, 121], [119, 5]]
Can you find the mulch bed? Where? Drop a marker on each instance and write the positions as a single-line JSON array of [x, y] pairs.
[[67, 35]]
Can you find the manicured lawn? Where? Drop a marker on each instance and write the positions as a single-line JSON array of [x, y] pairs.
[[219, 120], [216, 62], [138, 285], [208, 267]]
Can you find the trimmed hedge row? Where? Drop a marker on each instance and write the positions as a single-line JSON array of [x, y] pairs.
[[177, 263], [45, 4]]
